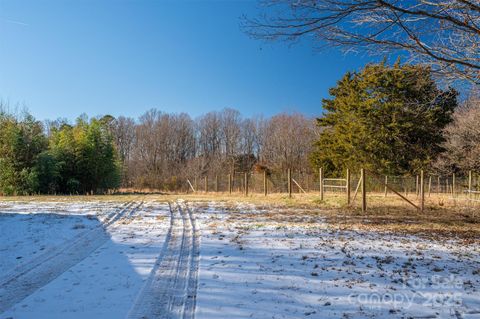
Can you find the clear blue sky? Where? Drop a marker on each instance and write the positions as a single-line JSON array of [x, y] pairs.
[[63, 58]]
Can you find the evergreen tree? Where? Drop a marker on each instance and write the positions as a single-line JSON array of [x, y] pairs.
[[384, 118], [85, 156], [21, 142]]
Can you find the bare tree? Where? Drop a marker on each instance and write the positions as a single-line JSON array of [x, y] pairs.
[[250, 137], [287, 141], [231, 122], [124, 134], [161, 150], [462, 146], [444, 34], [209, 135], [183, 138], [148, 149]]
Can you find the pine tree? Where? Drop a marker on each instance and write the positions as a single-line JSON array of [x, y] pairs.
[[384, 118]]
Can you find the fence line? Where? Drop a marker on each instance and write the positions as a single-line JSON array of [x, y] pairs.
[[457, 187]]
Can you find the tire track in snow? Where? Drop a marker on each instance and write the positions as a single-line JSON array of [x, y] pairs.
[[191, 301], [170, 290], [36, 273], [52, 251]]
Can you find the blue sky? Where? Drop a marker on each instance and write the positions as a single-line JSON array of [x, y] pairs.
[[63, 58]]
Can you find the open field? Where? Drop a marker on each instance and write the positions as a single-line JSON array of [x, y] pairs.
[[218, 256]]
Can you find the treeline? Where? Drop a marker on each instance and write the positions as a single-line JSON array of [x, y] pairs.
[[394, 120], [70, 159], [158, 150]]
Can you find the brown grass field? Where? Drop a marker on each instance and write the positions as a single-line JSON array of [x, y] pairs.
[[443, 217]]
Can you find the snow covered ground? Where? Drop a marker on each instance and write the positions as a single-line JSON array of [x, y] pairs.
[[260, 264], [105, 276], [107, 259]]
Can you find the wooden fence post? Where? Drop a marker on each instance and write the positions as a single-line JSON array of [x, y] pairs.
[[386, 183], [206, 184], [191, 186], [246, 184], [230, 183], [364, 190], [320, 174], [469, 184], [453, 185], [429, 185], [265, 182], [348, 186], [289, 177], [422, 192], [416, 187], [196, 184], [439, 186], [307, 183], [216, 183]]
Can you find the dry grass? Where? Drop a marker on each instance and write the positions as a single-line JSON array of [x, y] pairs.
[[69, 198], [443, 217]]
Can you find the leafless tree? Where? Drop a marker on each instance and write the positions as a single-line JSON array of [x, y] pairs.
[[443, 33], [183, 138], [463, 140], [124, 134], [209, 134], [250, 139], [286, 141], [147, 149], [231, 122], [161, 150], [123, 130]]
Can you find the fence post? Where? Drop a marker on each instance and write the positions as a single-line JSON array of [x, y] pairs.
[[422, 192], [230, 184], [206, 184], [386, 183], [196, 184], [453, 185], [216, 183], [246, 184], [364, 190], [469, 184], [289, 177], [429, 185], [320, 174], [439, 186], [265, 182], [416, 187], [348, 186]]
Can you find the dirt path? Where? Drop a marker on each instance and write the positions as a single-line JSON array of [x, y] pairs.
[[38, 272], [170, 291]]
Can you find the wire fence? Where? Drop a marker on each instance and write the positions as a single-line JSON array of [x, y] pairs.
[[414, 189]]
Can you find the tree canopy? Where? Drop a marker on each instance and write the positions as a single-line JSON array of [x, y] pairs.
[[72, 159], [21, 142], [386, 119], [86, 157]]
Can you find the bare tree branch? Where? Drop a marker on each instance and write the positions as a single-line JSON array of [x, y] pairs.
[[444, 34]]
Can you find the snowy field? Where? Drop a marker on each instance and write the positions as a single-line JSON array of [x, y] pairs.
[[152, 259]]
